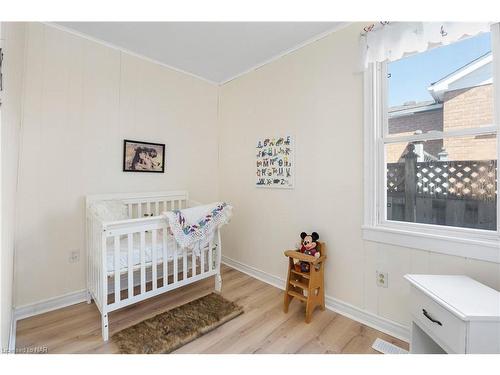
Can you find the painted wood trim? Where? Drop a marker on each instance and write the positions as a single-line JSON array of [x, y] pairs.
[[12, 333], [311, 40], [50, 304], [463, 242], [495, 51], [384, 325], [331, 303], [466, 246], [288, 51], [127, 51]]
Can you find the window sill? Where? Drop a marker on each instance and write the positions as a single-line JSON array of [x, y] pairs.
[[452, 242]]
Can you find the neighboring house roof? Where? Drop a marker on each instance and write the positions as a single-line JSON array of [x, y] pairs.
[[411, 108], [476, 73]]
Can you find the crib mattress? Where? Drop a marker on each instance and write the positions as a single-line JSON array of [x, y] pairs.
[[136, 252]]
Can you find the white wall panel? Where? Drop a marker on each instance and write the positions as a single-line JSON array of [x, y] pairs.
[[315, 95], [13, 47], [82, 99]]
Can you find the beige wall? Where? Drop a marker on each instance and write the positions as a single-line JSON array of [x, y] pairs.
[[14, 37], [315, 95], [82, 99]]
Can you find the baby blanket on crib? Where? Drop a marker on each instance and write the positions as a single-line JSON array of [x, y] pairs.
[[195, 227]]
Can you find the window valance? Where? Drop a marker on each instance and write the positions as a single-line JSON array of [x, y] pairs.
[[389, 41]]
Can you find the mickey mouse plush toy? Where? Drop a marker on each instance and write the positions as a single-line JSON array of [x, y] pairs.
[[309, 247]]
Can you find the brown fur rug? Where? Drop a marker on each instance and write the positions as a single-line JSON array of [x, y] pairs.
[[170, 330]]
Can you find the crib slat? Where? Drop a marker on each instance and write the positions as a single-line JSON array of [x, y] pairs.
[[97, 261], [117, 269], [193, 263], [87, 241], [148, 208], [129, 206], [130, 259], [210, 256], [202, 260], [175, 261], [165, 257], [184, 264], [143, 262], [139, 210], [153, 257], [92, 249], [103, 268], [157, 208], [91, 254], [100, 264]]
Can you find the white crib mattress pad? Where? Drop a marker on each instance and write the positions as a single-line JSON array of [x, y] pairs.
[[136, 251]]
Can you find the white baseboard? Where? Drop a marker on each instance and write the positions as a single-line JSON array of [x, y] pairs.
[[50, 304], [365, 317], [12, 333], [255, 273], [331, 303], [368, 318]]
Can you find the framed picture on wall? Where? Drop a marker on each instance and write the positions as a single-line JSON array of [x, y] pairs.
[[141, 156], [275, 162]]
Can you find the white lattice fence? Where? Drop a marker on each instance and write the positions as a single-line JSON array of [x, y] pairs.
[[396, 177], [469, 179]]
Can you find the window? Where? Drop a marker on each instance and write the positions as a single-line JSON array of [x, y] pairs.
[[431, 149]]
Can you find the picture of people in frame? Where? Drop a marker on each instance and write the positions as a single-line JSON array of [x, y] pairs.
[[143, 156]]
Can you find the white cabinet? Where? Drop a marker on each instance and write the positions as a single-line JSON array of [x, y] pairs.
[[453, 314]]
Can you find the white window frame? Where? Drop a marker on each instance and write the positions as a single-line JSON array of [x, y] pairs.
[[465, 242]]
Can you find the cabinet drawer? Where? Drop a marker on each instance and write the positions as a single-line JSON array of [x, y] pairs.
[[444, 327]]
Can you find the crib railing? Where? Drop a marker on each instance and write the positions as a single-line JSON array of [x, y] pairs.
[[154, 206], [154, 273], [167, 268]]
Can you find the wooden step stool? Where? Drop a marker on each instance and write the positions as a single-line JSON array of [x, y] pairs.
[[313, 281]]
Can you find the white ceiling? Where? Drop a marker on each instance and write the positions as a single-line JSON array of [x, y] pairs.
[[215, 51]]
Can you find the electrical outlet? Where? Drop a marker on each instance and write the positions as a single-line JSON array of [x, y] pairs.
[[74, 256], [382, 279]]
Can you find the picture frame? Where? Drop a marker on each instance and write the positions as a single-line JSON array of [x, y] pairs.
[[140, 156]]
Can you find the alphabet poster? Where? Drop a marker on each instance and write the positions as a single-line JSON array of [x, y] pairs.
[[275, 164]]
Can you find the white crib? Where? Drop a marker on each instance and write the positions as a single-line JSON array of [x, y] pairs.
[[144, 252]]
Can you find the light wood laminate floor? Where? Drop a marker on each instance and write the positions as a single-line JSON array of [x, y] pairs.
[[263, 328]]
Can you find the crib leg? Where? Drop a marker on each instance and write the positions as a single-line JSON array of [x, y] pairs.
[[89, 297], [218, 283], [105, 328]]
